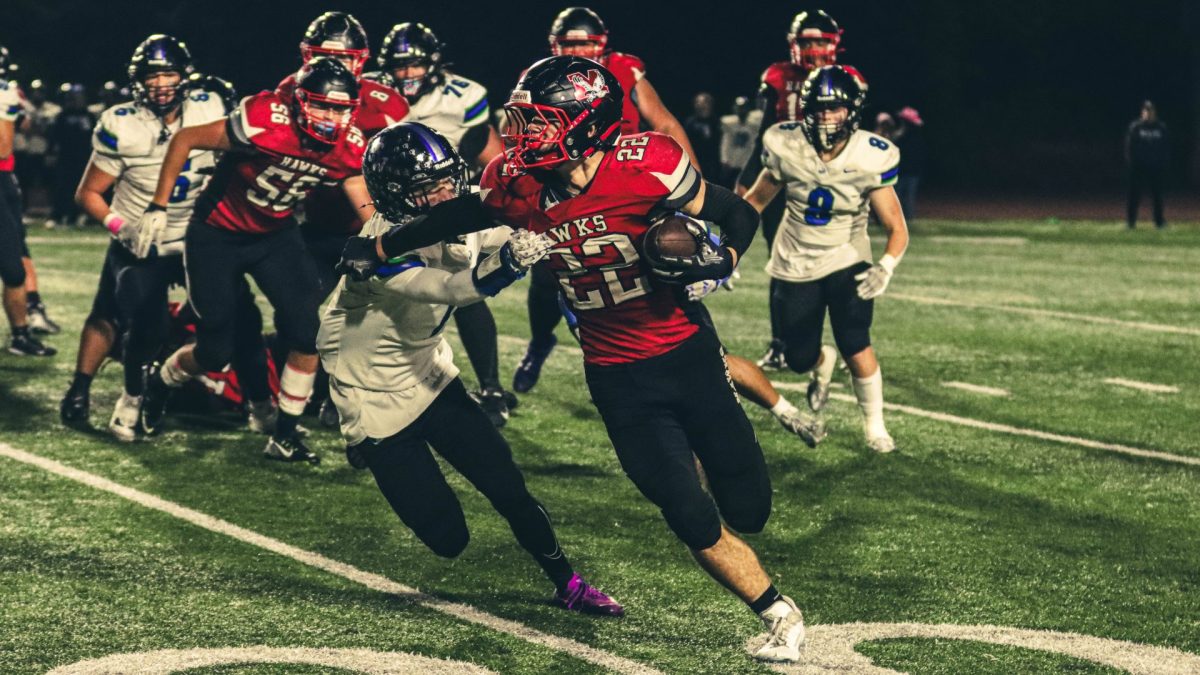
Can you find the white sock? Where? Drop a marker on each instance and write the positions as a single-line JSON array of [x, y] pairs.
[[294, 389], [783, 407], [869, 392], [824, 370], [172, 374]]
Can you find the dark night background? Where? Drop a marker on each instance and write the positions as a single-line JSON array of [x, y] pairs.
[[1018, 96]]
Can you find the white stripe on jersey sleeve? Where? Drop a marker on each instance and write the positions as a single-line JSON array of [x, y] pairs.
[[680, 181]]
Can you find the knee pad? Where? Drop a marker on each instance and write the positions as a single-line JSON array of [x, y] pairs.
[[694, 520], [749, 514], [298, 330], [851, 341], [12, 275], [802, 358]]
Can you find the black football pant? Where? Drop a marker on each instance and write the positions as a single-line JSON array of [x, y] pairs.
[[216, 262], [1142, 178], [802, 307], [411, 480], [542, 302], [12, 232], [658, 412]]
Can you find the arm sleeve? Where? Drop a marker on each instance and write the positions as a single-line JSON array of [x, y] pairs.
[[736, 218], [766, 105], [473, 141], [461, 215], [426, 284]]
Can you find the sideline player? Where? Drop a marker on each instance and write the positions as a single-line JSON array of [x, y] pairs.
[[129, 144], [835, 174], [814, 41], [658, 379], [392, 373], [15, 264], [411, 60], [579, 31], [279, 148]]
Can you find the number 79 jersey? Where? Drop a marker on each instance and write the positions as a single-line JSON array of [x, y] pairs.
[[271, 167], [624, 314], [825, 226]]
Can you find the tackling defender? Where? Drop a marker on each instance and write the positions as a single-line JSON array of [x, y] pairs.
[[279, 147], [392, 373], [411, 59], [129, 144], [835, 174]]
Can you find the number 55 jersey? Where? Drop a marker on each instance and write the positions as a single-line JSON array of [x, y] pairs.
[[825, 227], [271, 167], [624, 314], [130, 143]]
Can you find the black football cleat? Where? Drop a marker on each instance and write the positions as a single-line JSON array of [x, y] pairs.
[[27, 345], [74, 408], [290, 449], [155, 393], [39, 321], [530, 368], [493, 403], [773, 359]]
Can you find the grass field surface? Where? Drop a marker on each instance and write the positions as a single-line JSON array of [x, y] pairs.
[[962, 525]]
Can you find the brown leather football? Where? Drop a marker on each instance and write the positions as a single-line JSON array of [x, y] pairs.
[[670, 236]]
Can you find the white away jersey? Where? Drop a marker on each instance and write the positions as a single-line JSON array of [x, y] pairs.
[[381, 339], [129, 143], [11, 103], [452, 108], [825, 227]]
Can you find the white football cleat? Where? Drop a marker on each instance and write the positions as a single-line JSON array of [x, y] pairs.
[[124, 422], [881, 444], [785, 633], [261, 416], [818, 387], [810, 428]]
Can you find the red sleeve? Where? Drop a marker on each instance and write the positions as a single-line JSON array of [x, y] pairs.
[[507, 198], [379, 107], [262, 121], [671, 175], [774, 78]]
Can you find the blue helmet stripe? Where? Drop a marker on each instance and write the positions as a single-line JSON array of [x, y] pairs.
[[436, 151]]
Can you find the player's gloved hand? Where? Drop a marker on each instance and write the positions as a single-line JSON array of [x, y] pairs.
[[125, 231], [359, 259], [504, 267], [874, 281], [149, 229], [711, 261], [697, 291]]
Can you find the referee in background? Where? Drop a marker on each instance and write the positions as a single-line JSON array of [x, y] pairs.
[[1147, 151]]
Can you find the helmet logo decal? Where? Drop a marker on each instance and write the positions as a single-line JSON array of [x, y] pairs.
[[588, 87]]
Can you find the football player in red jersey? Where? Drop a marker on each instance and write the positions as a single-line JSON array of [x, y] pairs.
[[657, 376], [814, 40], [579, 31], [328, 218], [279, 147]]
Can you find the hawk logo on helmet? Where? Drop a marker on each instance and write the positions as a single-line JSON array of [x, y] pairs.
[[588, 87]]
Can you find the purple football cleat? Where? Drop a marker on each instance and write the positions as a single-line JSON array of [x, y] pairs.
[[581, 597]]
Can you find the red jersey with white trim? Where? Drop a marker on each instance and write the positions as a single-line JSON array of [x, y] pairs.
[[272, 167], [625, 315], [380, 106], [629, 70], [784, 79]]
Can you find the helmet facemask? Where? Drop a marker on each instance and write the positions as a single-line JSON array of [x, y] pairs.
[[825, 134], [579, 43], [814, 49], [542, 136], [417, 196], [353, 59], [413, 87], [325, 118], [163, 96]]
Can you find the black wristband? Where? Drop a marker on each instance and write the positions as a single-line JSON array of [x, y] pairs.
[[155, 207]]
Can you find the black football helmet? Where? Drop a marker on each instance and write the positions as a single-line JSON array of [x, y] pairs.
[[405, 159], [339, 35], [563, 108], [814, 25], [828, 88], [326, 99], [578, 31], [411, 44], [159, 54]]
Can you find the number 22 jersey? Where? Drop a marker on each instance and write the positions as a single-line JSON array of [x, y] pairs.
[[624, 314], [272, 166], [825, 226]]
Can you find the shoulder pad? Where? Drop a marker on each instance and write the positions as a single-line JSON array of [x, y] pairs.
[[876, 155], [260, 116], [202, 107], [123, 130], [775, 74], [628, 61]]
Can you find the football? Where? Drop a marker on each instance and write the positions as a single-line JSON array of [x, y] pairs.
[[670, 236]]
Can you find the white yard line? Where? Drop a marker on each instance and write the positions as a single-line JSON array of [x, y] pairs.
[[1142, 386], [368, 579], [69, 241], [1002, 241], [1053, 314], [976, 388]]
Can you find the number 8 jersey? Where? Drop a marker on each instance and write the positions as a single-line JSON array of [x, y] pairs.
[[825, 227], [258, 184]]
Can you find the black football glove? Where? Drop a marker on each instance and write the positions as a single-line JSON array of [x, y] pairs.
[[359, 259], [710, 262]]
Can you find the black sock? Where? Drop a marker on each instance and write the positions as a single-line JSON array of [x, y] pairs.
[[285, 424], [82, 383], [765, 600], [544, 314], [32, 298], [536, 535], [20, 331]]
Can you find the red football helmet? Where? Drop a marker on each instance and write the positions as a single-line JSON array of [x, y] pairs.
[[814, 39], [338, 35], [326, 99]]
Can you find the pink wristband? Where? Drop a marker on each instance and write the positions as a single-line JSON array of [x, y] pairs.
[[113, 222]]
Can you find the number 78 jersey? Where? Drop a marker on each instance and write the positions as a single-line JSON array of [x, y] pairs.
[[271, 167], [825, 226]]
